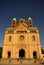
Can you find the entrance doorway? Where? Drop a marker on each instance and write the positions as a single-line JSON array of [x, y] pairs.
[[9, 54], [34, 54], [22, 53]]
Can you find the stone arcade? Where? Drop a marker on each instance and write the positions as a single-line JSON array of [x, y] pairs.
[[22, 40]]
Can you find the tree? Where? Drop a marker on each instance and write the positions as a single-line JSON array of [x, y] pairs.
[[42, 51], [0, 52]]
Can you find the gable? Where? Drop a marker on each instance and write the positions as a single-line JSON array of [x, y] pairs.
[[21, 27]]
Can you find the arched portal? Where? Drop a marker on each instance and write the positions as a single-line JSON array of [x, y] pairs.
[[21, 53], [9, 54], [34, 54]]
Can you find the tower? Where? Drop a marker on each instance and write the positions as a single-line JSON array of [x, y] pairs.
[[14, 22], [30, 23]]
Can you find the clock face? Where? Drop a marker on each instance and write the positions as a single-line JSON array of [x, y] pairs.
[[21, 37]]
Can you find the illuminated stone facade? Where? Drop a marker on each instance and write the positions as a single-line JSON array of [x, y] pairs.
[[22, 40]]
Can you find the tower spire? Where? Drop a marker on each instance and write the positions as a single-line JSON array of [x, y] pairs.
[[14, 22], [30, 23]]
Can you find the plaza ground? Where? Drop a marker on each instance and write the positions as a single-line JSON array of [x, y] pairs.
[[20, 62]]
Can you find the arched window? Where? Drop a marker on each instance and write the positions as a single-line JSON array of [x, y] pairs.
[[33, 38], [30, 22], [9, 38]]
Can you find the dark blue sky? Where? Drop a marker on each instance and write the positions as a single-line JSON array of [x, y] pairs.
[[19, 9]]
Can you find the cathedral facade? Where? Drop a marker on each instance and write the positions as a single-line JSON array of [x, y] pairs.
[[22, 40]]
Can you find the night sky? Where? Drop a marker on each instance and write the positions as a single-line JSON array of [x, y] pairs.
[[21, 9]]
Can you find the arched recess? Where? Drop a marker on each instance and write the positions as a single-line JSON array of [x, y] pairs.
[[9, 54], [21, 53], [34, 54]]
